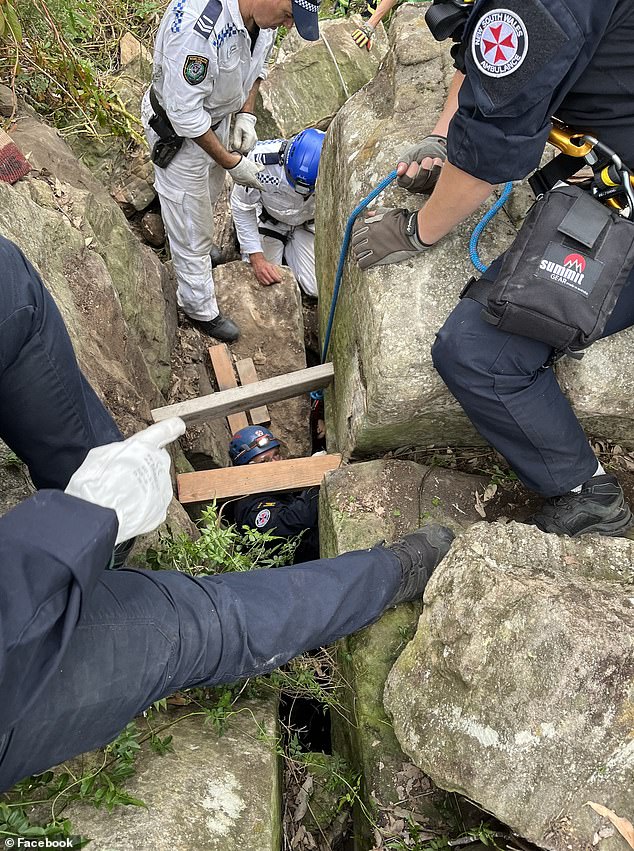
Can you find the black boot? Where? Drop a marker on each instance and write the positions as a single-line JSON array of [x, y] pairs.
[[419, 553], [121, 552], [221, 328], [215, 252], [598, 507]]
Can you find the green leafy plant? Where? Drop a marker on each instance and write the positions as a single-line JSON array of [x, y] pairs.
[[60, 57], [221, 549]]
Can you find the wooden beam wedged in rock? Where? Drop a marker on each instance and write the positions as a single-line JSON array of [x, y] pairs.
[[225, 376], [248, 375], [228, 482], [226, 402]]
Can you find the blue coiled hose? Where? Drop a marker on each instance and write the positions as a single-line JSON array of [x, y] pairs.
[[484, 221], [473, 249]]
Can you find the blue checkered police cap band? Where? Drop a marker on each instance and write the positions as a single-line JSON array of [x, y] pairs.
[[305, 15]]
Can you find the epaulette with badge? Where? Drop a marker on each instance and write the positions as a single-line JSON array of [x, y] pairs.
[[206, 23]]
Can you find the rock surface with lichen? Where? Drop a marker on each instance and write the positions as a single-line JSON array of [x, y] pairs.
[[518, 687]]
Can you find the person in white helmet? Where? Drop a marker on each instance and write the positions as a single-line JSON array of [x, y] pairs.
[[209, 58]]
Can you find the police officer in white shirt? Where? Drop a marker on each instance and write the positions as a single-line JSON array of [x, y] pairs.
[[276, 222], [209, 58]]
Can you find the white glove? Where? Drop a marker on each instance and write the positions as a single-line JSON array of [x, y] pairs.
[[244, 135], [132, 477], [245, 173]]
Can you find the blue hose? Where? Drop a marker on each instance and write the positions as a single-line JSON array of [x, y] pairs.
[[484, 221], [344, 250], [473, 249]]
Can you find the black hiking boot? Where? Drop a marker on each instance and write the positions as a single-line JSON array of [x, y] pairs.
[[598, 507], [221, 328], [419, 554], [121, 553]]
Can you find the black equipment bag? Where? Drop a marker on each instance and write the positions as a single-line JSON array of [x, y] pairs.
[[561, 278]]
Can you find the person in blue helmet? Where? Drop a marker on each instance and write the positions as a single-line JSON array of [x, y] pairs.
[[84, 649], [286, 515], [521, 65], [275, 223]]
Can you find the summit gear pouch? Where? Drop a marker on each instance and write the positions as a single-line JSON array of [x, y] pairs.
[[561, 278]]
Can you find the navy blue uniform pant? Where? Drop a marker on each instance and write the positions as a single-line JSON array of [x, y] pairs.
[[148, 634], [145, 634], [516, 404]]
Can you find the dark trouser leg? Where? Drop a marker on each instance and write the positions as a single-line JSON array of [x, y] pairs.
[[49, 416], [148, 634], [514, 403]]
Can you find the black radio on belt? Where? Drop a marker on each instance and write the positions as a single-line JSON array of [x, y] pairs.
[[169, 142]]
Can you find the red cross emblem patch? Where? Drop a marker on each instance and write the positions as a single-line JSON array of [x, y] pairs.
[[499, 43]]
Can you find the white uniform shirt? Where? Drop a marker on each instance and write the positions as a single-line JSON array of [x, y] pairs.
[[203, 67], [277, 197]]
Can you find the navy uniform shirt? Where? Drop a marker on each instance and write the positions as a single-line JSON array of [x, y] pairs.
[[527, 60], [285, 515]]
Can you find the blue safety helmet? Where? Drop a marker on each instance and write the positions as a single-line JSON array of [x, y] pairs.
[[301, 160], [250, 442]]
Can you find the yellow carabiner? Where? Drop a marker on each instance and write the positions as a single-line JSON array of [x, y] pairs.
[[569, 141]]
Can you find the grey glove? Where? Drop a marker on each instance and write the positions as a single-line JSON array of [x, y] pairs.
[[245, 173], [387, 237], [432, 147]]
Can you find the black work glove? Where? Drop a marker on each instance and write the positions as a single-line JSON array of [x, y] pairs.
[[432, 147], [387, 237]]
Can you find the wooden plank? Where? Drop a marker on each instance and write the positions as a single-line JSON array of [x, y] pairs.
[[225, 376], [228, 482], [226, 402], [248, 375]]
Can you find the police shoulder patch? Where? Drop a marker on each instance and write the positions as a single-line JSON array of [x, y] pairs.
[[499, 43], [262, 518], [195, 69]]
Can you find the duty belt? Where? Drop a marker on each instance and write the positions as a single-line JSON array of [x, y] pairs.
[[162, 126]]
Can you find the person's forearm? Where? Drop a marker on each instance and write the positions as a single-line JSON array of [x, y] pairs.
[[451, 105], [212, 145], [456, 196], [249, 104], [382, 9]]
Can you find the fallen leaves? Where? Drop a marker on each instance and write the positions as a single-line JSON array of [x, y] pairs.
[[481, 500], [623, 826]]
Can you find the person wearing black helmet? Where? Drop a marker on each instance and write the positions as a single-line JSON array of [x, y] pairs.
[[524, 66], [285, 515], [276, 223], [209, 59]]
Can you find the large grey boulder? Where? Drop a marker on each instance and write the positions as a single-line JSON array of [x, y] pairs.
[[517, 689], [310, 81], [117, 299], [387, 392], [94, 265], [212, 793], [271, 333]]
